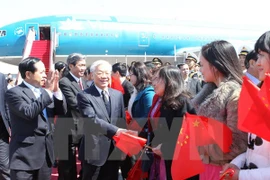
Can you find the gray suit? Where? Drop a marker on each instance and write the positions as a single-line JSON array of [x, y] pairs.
[[4, 131], [100, 127], [70, 89]]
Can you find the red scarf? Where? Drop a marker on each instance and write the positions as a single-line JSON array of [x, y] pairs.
[[154, 120]]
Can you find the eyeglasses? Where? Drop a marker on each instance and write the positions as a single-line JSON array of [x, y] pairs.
[[100, 73]]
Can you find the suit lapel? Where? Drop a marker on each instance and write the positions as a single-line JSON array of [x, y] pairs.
[[74, 82], [76, 85], [113, 101], [97, 97], [29, 93]]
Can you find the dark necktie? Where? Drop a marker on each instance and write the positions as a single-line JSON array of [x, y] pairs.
[[106, 102], [80, 84]]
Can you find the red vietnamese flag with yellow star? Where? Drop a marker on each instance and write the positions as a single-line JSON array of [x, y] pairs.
[[254, 114], [197, 131]]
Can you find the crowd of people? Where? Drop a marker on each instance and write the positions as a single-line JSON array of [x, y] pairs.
[[50, 118]]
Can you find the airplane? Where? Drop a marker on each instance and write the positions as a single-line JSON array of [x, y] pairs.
[[116, 38]]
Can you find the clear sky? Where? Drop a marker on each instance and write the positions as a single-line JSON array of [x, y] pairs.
[[236, 12]]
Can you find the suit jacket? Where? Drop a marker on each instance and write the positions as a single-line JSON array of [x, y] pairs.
[[70, 88], [31, 137], [194, 86], [129, 89], [99, 127], [3, 106]]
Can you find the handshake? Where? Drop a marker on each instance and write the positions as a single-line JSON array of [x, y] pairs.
[[120, 130], [128, 142]]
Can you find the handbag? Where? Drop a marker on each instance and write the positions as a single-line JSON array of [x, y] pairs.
[[158, 169]]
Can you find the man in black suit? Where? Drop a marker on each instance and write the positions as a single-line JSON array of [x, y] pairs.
[[103, 112], [192, 85], [4, 131], [119, 71], [71, 85], [30, 105]]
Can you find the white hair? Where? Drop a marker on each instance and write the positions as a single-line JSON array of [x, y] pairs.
[[99, 62]]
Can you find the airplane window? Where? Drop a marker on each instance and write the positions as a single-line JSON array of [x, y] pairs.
[[3, 33]]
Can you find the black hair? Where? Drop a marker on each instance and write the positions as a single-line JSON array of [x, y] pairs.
[[143, 75], [175, 92], [87, 71], [28, 64], [251, 55], [60, 65], [121, 68], [222, 55], [263, 43], [180, 65]]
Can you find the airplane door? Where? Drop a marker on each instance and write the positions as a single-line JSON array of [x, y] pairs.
[[143, 39], [36, 28]]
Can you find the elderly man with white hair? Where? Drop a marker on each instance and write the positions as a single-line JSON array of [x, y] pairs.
[[104, 117]]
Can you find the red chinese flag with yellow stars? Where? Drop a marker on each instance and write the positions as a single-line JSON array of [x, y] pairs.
[[197, 131], [129, 144], [254, 114], [186, 160]]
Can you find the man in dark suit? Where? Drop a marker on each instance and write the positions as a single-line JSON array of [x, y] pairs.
[[4, 131], [30, 105], [119, 71], [192, 85], [103, 112], [71, 85]]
